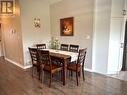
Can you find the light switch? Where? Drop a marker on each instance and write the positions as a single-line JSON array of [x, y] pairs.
[[87, 37]]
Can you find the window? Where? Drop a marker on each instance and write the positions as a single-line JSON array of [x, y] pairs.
[[6, 7]]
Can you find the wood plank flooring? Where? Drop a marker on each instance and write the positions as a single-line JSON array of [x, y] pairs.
[[122, 75], [15, 81]]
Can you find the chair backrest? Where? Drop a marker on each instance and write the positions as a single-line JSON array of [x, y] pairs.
[[81, 57], [74, 48], [64, 47], [44, 57], [34, 55], [41, 46]]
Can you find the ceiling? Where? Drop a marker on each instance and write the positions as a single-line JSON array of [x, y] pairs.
[[52, 1]]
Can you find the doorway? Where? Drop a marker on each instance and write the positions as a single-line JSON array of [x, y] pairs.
[[124, 65]]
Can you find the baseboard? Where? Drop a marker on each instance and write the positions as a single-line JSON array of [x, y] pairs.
[[97, 72], [112, 72], [26, 67], [17, 64], [89, 70]]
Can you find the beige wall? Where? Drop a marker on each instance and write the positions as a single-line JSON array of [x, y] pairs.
[[12, 36], [31, 9], [82, 11]]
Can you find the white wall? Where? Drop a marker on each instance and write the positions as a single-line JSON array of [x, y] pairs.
[[82, 11], [101, 35], [31, 9]]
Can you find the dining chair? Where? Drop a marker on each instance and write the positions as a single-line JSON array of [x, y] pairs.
[[41, 46], [73, 48], [78, 65], [64, 47], [34, 59], [45, 59]]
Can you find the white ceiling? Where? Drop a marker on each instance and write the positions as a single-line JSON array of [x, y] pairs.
[[52, 1]]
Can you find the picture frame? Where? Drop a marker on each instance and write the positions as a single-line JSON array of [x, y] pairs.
[[66, 26]]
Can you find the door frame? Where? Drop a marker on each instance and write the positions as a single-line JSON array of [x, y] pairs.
[[125, 26], [2, 40]]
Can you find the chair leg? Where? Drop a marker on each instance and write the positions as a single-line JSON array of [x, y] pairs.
[[79, 73], [50, 79], [32, 71], [77, 77], [41, 75], [71, 73], [83, 74], [68, 72], [61, 75]]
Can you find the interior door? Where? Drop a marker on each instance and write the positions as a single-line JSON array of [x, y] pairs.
[[116, 45]]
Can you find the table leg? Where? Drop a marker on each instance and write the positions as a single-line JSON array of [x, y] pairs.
[[64, 71]]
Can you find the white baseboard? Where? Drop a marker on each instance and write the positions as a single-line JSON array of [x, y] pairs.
[[102, 73], [89, 70], [26, 67], [17, 64], [112, 72]]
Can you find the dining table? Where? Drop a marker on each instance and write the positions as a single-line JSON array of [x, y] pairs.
[[62, 57]]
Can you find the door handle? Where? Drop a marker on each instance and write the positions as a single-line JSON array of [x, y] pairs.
[[121, 45]]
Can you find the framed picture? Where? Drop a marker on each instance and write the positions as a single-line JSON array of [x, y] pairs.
[[66, 26]]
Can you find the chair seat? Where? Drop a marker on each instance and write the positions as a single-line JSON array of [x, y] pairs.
[[73, 62], [73, 67], [55, 68], [35, 64]]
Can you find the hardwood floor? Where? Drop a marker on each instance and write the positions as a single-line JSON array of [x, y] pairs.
[[122, 75], [15, 81]]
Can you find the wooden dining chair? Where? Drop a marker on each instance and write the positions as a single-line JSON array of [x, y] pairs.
[[34, 59], [64, 47], [74, 48], [45, 59], [41, 46], [78, 65]]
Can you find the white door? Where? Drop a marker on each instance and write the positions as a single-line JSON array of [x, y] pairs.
[[116, 45]]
